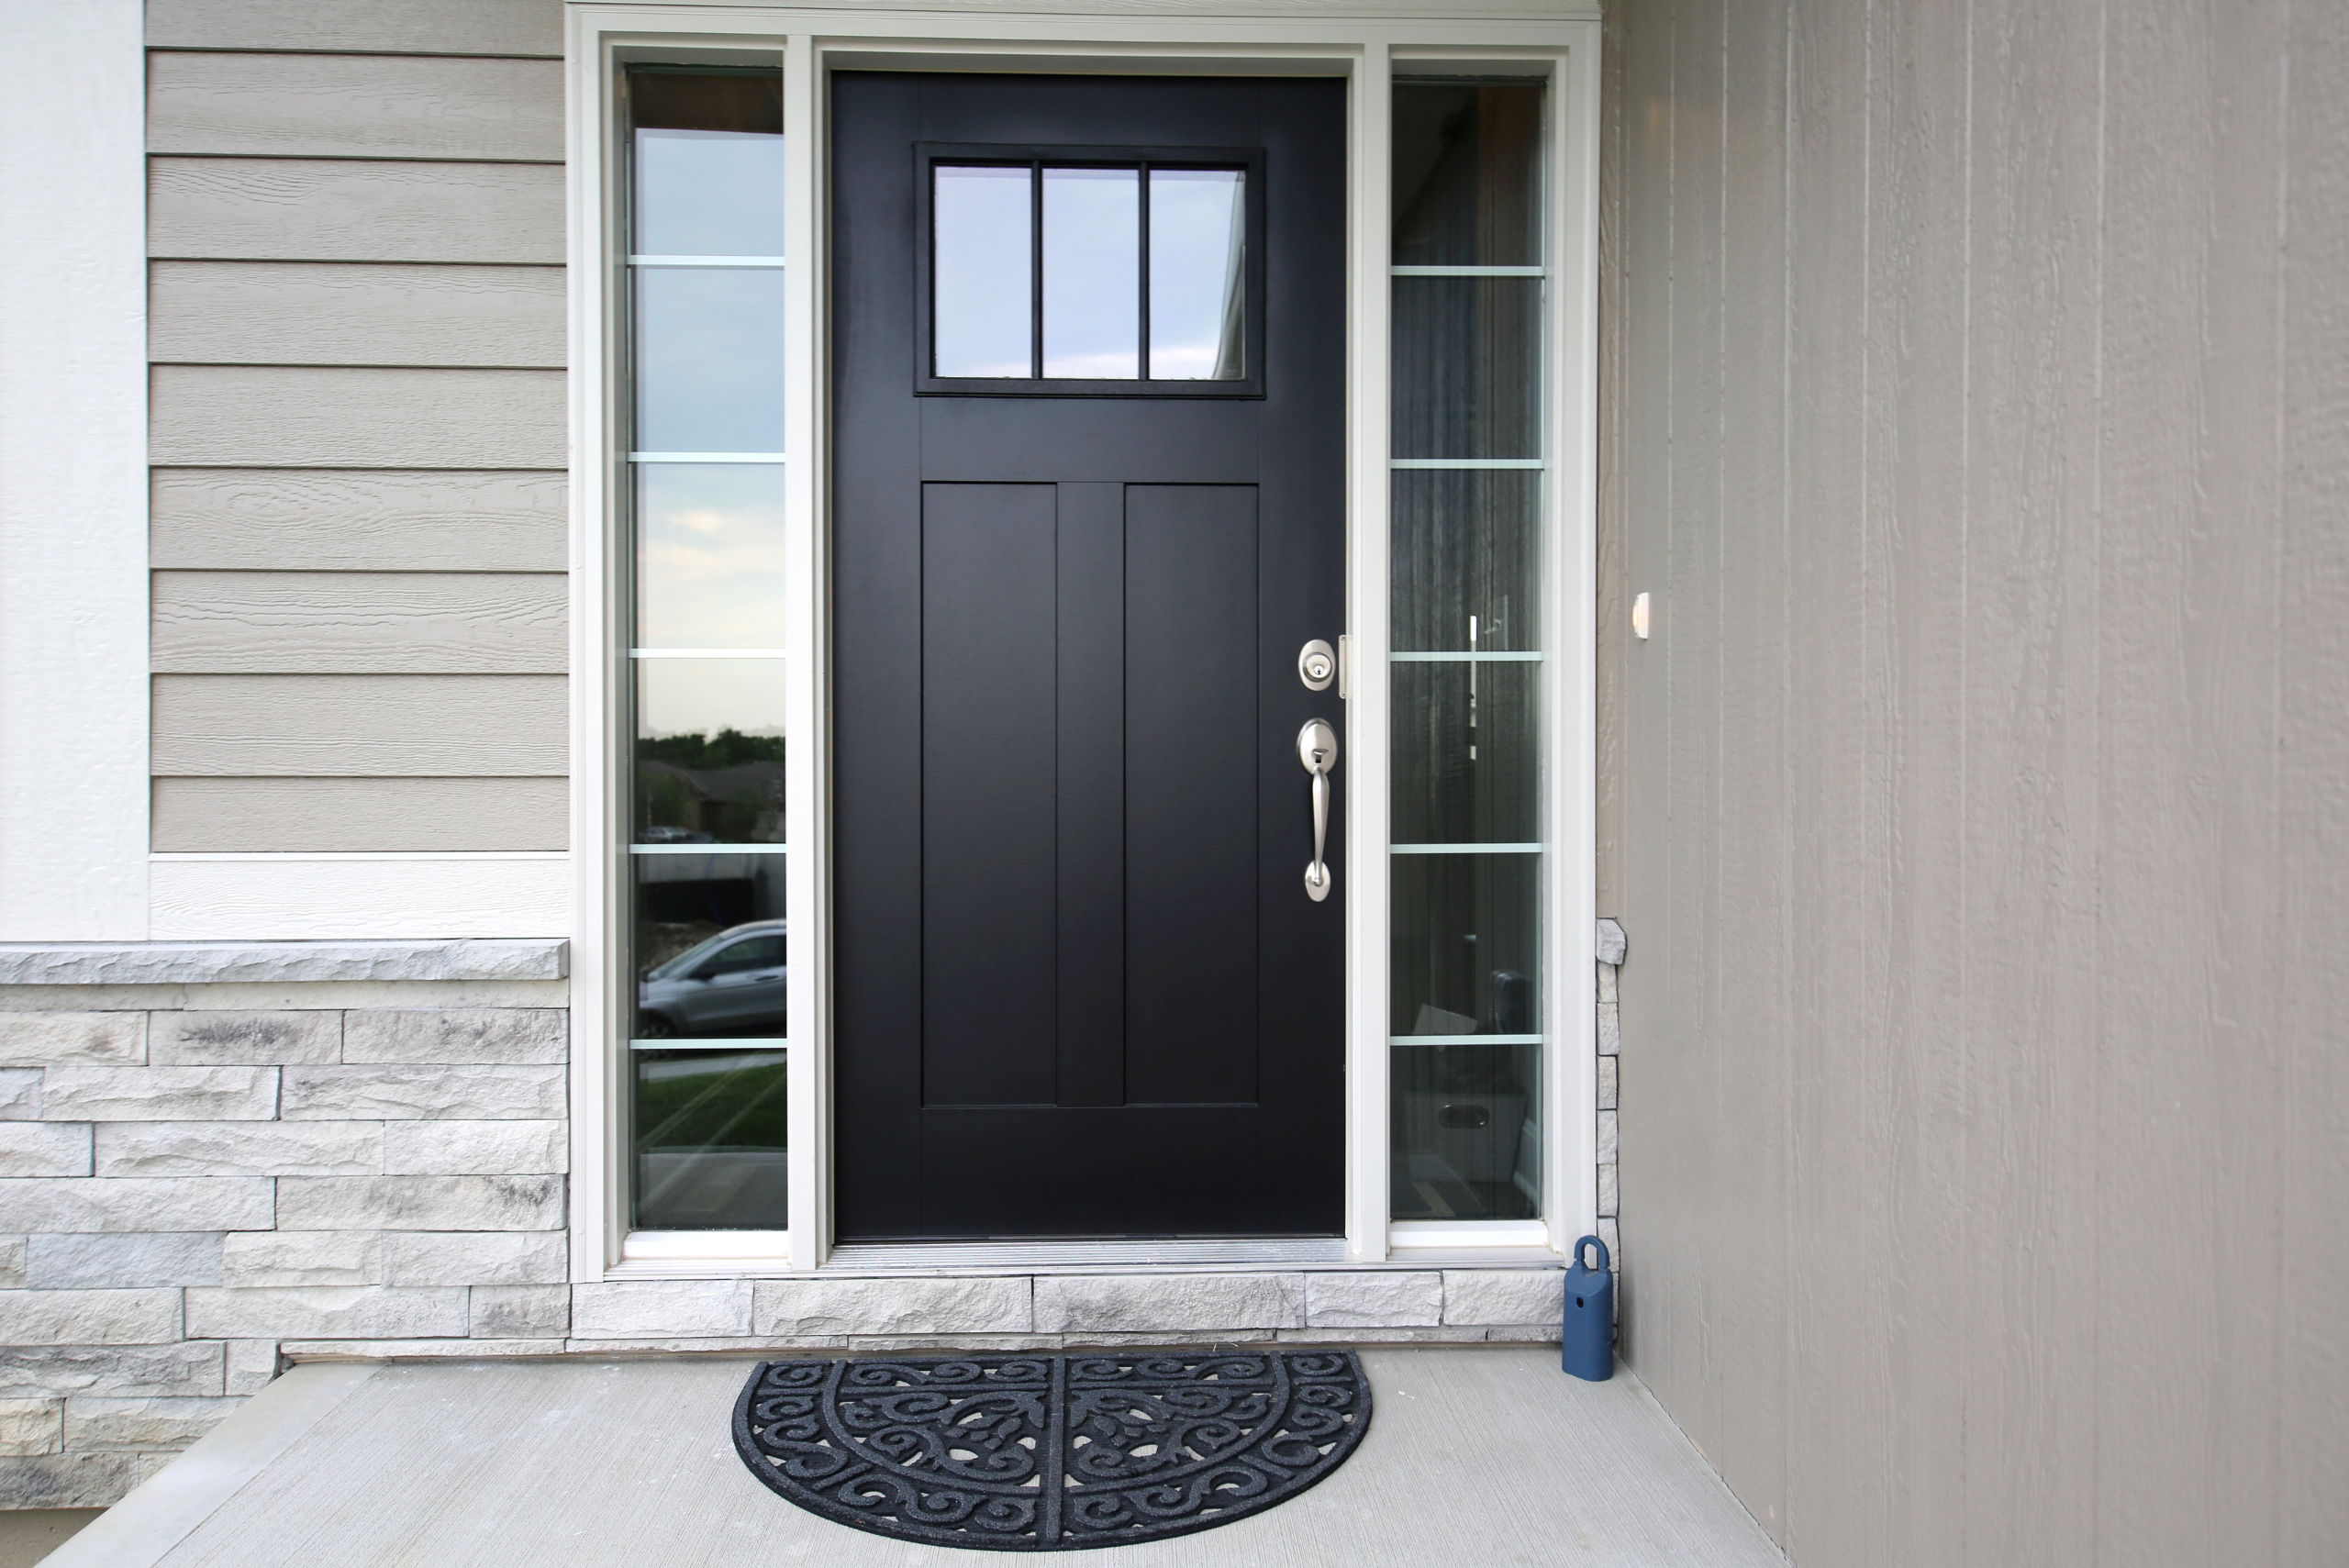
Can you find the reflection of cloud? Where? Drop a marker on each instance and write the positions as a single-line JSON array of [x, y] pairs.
[[710, 556], [1182, 362], [702, 697], [1105, 364]]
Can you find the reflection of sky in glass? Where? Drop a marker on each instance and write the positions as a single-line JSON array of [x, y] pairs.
[[981, 272], [708, 359], [1196, 220], [702, 697], [1093, 273], [709, 192], [710, 555]]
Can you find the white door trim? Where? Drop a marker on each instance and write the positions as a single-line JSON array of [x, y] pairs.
[[811, 43]]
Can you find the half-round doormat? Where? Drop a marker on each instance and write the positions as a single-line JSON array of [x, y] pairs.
[[1050, 1453]]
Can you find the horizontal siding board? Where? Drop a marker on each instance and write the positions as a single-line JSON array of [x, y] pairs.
[[340, 312], [360, 622], [410, 27], [291, 106], [362, 726], [291, 898], [288, 209], [292, 520], [362, 813], [306, 417]]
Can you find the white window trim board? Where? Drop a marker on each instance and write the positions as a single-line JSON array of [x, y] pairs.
[[73, 719], [1123, 37], [357, 896]]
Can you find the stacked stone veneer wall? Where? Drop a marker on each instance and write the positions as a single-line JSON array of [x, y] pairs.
[[203, 1181], [1611, 952], [197, 1180]]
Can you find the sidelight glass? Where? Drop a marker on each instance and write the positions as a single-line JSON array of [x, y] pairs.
[[710, 1139], [983, 271], [710, 555], [1199, 226], [1467, 367], [704, 851], [1466, 556], [709, 368], [1469, 672], [1092, 274]]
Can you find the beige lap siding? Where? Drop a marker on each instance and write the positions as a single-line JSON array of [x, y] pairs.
[[357, 425]]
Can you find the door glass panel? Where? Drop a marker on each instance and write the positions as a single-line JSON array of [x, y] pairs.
[[1467, 364], [710, 1139], [1198, 273], [709, 374], [1467, 767], [1466, 682], [983, 272], [1467, 175], [1466, 558], [1093, 273], [708, 193], [708, 555], [709, 751], [1466, 1112]]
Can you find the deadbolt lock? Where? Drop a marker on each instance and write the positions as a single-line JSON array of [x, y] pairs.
[[1317, 665]]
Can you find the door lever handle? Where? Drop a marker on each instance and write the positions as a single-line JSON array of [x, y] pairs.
[[1317, 747]]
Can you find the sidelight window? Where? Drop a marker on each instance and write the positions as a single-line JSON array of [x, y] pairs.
[[705, 843], [1101, 278], [1466, 1041]]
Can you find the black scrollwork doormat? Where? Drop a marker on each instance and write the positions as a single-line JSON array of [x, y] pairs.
[[1050, 1453]]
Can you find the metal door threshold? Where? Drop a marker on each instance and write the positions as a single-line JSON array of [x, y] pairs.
[[999, 1257]]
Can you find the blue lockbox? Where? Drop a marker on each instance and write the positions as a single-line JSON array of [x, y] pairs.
[[1588, 1347]]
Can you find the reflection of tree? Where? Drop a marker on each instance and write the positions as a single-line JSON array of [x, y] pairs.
[[728, 749]]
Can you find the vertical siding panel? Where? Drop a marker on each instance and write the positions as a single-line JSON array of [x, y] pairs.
[[2162, 1156], [1835, 1461], [2229, 628], [2311, 1110], [2030, 915], [1918, 415], [1689, 1071], [1751, 1230], [1653, 1177], [1614, 618]]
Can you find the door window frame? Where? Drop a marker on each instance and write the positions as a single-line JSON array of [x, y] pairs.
[[809, 45]]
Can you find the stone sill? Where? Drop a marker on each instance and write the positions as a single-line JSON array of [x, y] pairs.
[[195, 964]]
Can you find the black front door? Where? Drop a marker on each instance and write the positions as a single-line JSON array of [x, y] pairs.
[[1088, 508]]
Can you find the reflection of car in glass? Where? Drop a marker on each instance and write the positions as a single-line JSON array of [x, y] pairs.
[[731, 985]]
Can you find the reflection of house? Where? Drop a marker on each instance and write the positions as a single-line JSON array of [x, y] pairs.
[[732, 805]]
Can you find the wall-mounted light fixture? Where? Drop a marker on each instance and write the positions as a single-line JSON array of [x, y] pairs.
[[1639, 617]]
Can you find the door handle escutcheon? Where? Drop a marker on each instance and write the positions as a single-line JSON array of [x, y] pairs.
[[1317, 747]]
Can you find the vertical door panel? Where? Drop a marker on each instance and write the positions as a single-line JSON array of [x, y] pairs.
[[989, 883], [1092, 610], [1191, 786]]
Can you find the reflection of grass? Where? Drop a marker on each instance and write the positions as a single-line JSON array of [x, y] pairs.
[[727, 1107]]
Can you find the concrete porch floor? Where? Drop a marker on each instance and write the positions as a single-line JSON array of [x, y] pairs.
[[1482, 1456]]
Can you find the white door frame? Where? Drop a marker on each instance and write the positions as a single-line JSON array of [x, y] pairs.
[[813, 42]]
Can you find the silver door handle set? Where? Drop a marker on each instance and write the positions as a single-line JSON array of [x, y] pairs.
[[1317, 747]]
